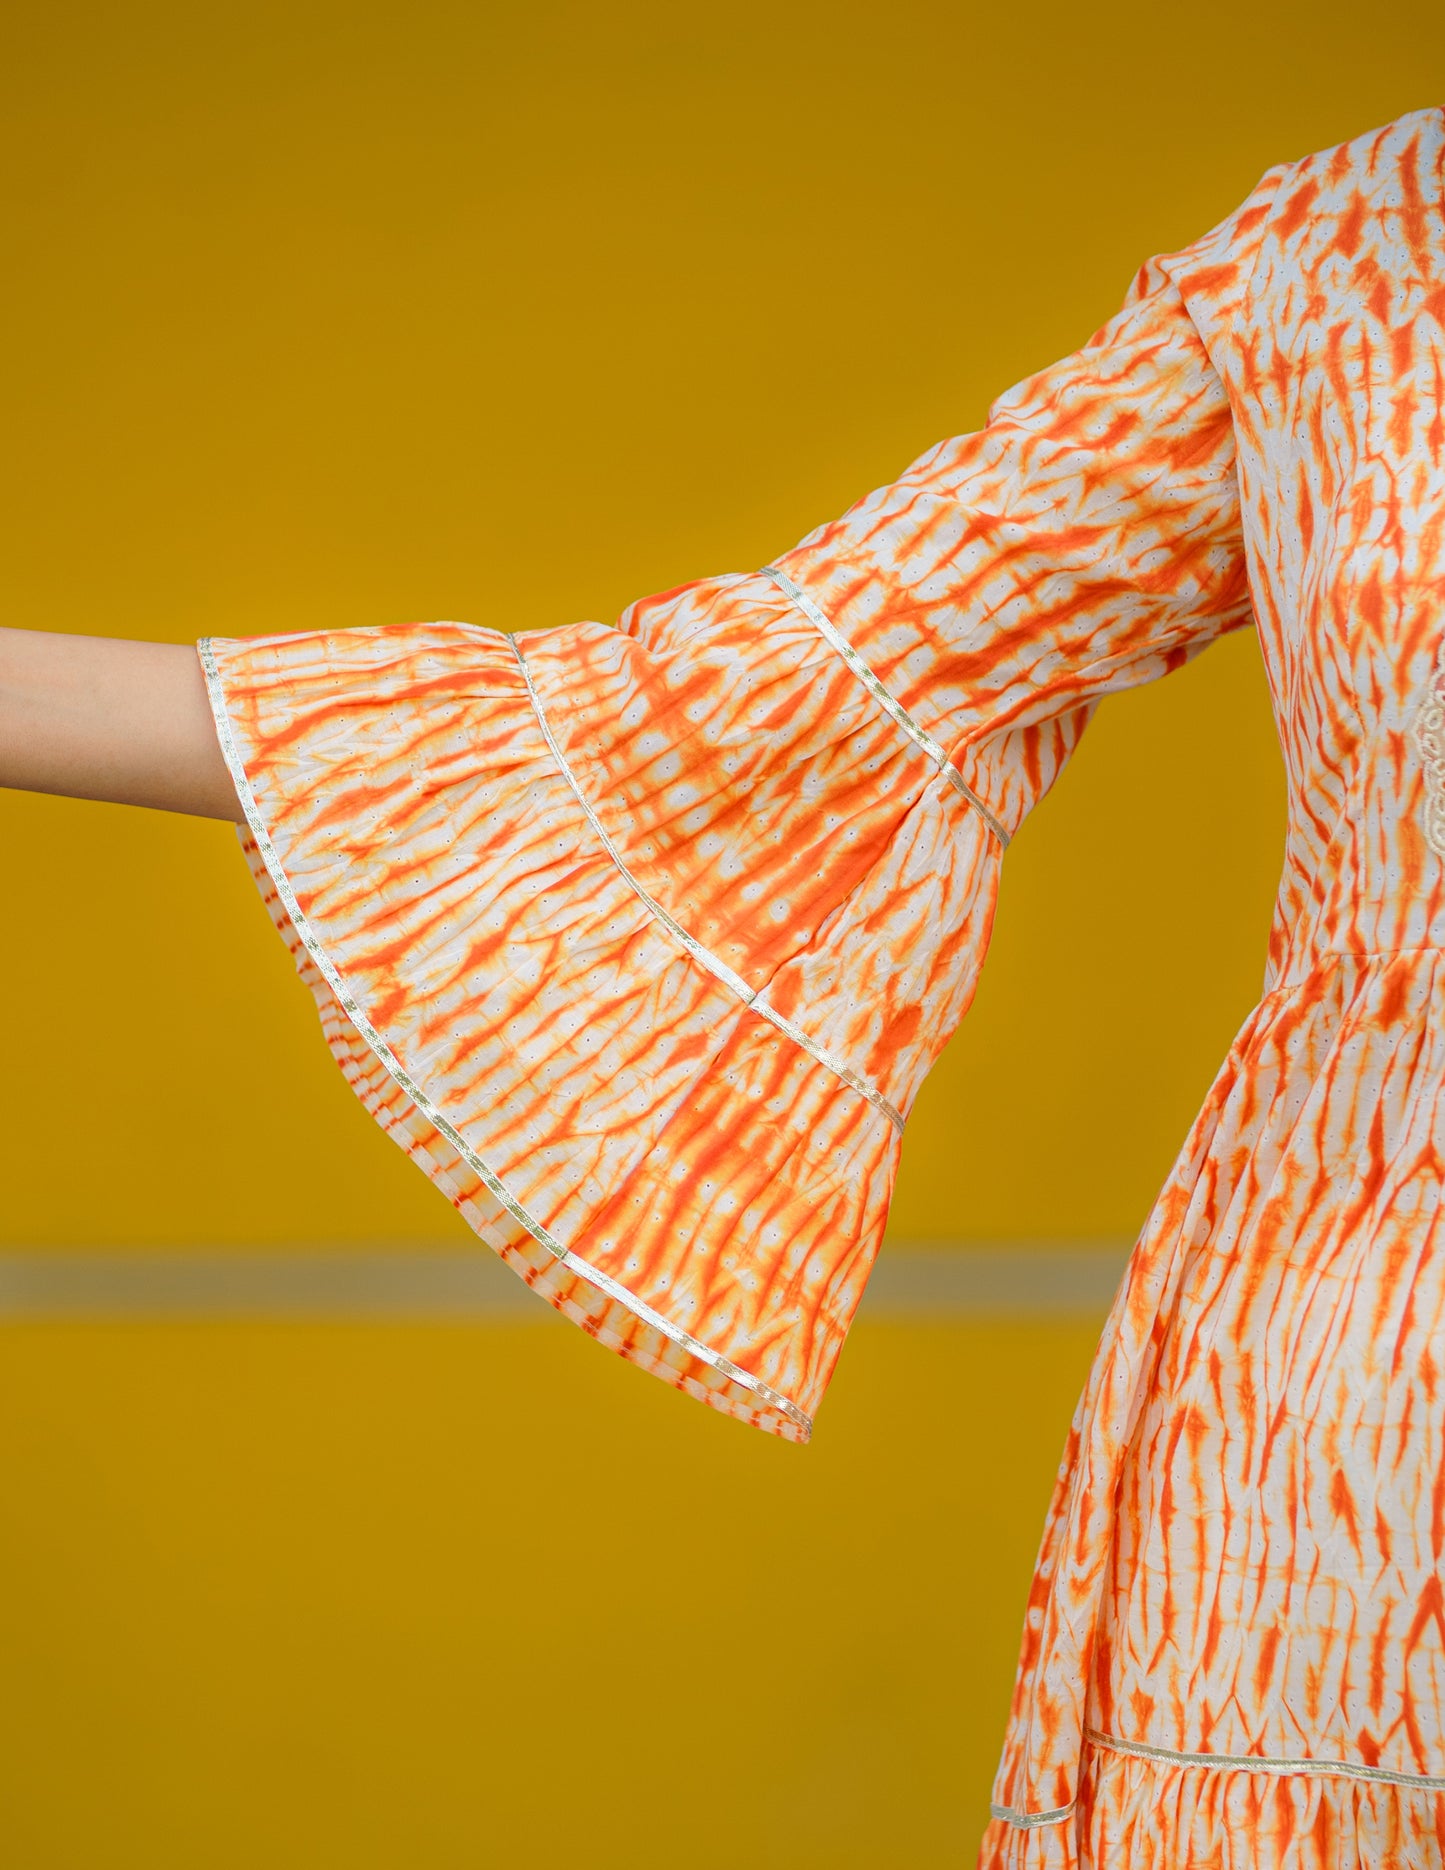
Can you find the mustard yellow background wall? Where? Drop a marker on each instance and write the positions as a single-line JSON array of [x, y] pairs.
[[341, 314]]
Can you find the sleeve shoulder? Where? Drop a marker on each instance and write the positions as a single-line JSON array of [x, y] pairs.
[[1214, 276]]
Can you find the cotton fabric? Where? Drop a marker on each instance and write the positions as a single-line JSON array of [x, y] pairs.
[[641, 941]]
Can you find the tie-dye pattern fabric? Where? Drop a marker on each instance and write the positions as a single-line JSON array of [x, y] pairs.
[[641, 940], [1235, 1643]]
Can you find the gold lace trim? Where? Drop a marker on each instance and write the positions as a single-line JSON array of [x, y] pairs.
[[1029, 1821], [719, 969], [1275, 1768], [1304, 1768], [896, 711]]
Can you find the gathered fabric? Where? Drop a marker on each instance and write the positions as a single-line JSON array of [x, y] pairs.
[[1235, 1643], [1139, 1812], [641, 940]]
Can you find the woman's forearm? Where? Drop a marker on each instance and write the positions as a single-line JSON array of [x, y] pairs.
[[94, 717]]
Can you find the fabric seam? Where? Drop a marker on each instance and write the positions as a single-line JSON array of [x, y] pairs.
[[397, 1072], [894, 708], [716, 967], [1246, 298], [1029, 1821], [1275, 1768], [1263, 1763]]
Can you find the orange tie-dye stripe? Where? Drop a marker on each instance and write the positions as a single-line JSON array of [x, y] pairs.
[[640, 991]]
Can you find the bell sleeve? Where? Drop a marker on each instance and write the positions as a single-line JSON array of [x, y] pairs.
[[640, 940]]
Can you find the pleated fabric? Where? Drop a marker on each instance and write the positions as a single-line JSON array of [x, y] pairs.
[[640, 940]]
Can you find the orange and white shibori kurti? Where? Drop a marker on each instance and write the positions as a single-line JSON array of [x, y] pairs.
[[640, 941]]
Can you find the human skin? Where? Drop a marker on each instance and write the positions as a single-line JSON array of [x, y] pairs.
[[92, 717]]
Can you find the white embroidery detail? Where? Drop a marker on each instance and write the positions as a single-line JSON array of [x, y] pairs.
[[1259, 1763], [917, 734], [399, 1074], [718, 968], [1430, 739]]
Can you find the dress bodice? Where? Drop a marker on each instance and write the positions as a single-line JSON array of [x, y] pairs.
[[1335, 368], [1240, 1594]]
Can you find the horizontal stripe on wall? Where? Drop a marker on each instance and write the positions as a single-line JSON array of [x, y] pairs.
[[911, 1282]]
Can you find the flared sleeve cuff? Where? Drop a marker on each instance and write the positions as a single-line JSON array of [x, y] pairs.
[[689, 1173]]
